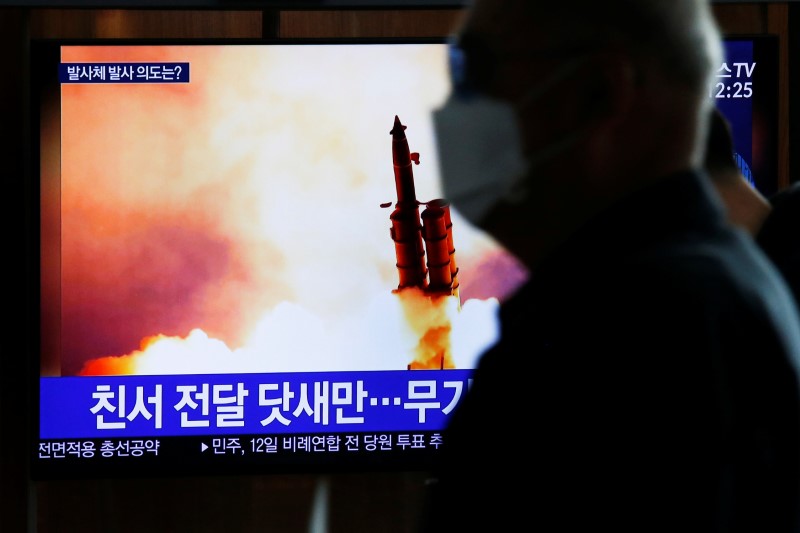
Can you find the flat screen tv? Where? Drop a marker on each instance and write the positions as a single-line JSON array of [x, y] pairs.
[[746, 91], [246, 265]]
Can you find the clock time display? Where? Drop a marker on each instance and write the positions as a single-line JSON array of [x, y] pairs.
[[736, 89]]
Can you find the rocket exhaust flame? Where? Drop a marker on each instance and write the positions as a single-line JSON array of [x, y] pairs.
[[431, 317]]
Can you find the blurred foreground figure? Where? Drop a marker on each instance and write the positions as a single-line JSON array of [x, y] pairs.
[[774, 222], [647, 375]]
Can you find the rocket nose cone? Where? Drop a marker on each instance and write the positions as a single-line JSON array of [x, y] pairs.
[[397, 128]]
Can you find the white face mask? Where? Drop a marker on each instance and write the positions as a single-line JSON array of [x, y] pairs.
[[480, 153]]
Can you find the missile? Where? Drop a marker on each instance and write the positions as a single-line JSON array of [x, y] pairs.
[[403, 172], [414, 234], [406, 228]]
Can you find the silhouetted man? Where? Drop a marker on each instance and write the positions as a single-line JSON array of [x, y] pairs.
[[647, 375]]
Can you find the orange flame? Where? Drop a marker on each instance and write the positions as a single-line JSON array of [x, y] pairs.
[[429, 316], [433, 351], [119, 365], [112, 365]]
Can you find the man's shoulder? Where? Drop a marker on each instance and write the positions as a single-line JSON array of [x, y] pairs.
[[725, 257], [686, 283], [784, 217], [779, 236]]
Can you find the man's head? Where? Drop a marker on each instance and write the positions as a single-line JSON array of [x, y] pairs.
[[607, 96], [527, 36]]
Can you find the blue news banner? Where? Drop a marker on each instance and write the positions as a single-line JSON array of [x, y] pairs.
[[159, 72], [284, 415]]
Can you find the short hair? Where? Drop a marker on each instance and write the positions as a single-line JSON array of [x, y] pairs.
[[682, 35]]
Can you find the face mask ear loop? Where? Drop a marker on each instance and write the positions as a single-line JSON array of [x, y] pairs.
[[560, 74], [519, 189]]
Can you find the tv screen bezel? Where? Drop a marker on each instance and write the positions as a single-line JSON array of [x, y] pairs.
[[766, 106]]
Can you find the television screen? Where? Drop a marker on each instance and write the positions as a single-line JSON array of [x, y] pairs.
[[746, 91], [246, 262], [246, 265]]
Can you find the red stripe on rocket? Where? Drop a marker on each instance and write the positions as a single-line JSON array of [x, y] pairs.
[[415, 235]]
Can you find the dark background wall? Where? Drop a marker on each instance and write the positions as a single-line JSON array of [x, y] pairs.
[[389, 502]]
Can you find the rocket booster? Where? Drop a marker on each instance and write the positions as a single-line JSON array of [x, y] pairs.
[[437, 231], [414, 235]]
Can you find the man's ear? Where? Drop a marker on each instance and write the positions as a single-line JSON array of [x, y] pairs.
[[610, 88]]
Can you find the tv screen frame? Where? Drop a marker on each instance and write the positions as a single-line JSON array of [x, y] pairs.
[[114, 414], [478, 283]]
